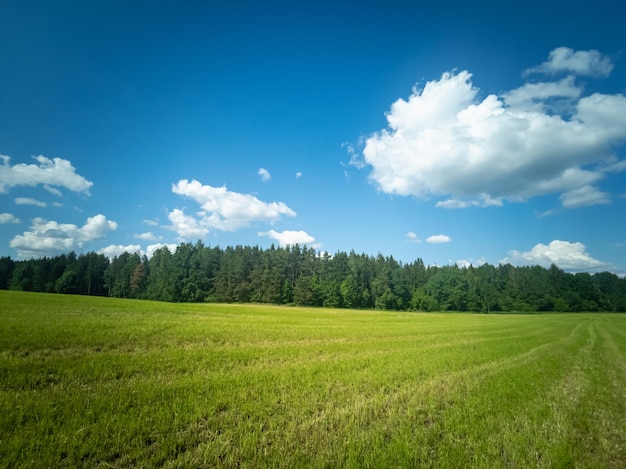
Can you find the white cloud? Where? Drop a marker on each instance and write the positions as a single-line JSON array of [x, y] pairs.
[[484, 200], [148, 236], [53, 190], [48, 238], [547, 213], [265, 174], [153, 247], [151, 222], [298, 174], [453, 203], [438, 239], [221, 210], [29, 201], [50, 173], [541, 96], [95, 228], [615, 166], [586, 195], [465, 263], [290, 238], [6, 218], [187, 226], [412, 237], [115, 250], [568, 256], [447, 141], [582, 62], [355, 159]]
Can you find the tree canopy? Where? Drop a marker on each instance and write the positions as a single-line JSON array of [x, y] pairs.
[[303, 276]]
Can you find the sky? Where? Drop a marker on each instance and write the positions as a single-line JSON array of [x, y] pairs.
[[456, 132]]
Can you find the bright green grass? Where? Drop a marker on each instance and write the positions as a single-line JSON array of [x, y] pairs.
[[90, 382]]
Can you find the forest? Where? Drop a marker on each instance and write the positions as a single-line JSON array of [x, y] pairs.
[[297, 275]]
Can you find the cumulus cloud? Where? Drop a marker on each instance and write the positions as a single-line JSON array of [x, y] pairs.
[[465, 263], [51, 173], [187, 226], [221, 210], [290, 238], [572, 257], [95, 228], [412, 237], [438, 239], [49, 238], [7, 218], [29, 201], [148, 236], [153, 247], [447, 141], [298, 174], [582, 62], [265, 174], [541, 97], [115, 250]]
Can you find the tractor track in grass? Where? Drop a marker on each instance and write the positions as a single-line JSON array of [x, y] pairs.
[[334, 389], [250, 357], [441, 386]]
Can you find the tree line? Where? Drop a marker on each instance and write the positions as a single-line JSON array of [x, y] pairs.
[[303, 276]]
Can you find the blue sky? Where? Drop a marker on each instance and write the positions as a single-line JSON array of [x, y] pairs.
[[457, 133]]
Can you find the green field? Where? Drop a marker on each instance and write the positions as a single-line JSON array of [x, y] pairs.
[[90, 382]]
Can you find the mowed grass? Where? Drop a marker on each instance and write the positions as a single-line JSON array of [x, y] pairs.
[[88, 382]]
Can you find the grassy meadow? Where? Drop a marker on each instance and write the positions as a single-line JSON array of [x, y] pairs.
[[88, 382]]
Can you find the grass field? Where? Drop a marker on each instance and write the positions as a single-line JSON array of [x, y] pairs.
[[90, 382]]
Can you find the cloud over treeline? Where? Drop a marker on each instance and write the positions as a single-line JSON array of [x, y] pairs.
[[221, 209]]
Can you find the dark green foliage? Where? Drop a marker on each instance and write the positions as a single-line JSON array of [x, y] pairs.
[[300, 275], [160, 286], [67, 273], [90, 269], [118, 275], [6, 269], [66, 282]]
